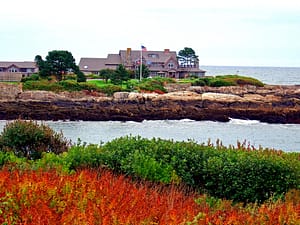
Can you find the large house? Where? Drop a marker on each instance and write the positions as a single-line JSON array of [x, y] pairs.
[[15, 71], [160, 63]]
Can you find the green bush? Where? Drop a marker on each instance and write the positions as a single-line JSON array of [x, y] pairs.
[[199, 82], [221, 82], [92, 76], [227, 80], [65, 85], [173, 159], [89, 86], [70, 77], [29, 139], [81, 156], [42, 85], [248, 176], [235, 174], [80, 77], [70, 85], [3, 158], [241, 80], [110, 89], [33, 77], [152, 85]]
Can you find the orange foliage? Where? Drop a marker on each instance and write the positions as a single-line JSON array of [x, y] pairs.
[[93, 197]]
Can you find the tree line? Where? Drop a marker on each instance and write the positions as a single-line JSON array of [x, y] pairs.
[[60, 63]]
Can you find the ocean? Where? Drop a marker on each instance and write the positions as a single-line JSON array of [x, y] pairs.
[[284, 137], [268, 75]]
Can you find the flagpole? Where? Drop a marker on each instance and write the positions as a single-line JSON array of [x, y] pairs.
[[141, 63]]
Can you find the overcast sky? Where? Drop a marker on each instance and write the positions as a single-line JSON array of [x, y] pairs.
[[222, 32]]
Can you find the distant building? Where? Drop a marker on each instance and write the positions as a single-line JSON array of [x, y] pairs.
[[15, 71], [160, 63]]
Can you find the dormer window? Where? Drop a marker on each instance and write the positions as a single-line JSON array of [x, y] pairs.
[[12, 70], [171, 65], [153, 55]]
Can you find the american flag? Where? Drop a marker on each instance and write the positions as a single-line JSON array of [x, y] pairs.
[[143, 48]]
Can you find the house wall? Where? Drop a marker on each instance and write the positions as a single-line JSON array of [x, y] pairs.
[[9, 76]]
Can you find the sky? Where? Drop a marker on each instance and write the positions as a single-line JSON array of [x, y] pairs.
[[222, 32]]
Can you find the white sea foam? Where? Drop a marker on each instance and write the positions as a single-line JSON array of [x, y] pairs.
[[243, 122]]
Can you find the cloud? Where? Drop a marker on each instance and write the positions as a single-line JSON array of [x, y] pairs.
[[216, 29]]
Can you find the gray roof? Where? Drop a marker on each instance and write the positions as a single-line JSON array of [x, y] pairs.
[[27, 64], [113, 59], [152, 56], [92, 64]]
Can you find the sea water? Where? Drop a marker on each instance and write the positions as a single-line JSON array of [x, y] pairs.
[[253, 133], [284, 137], [267, 75]]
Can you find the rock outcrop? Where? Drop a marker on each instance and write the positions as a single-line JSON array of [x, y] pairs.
[[273, 104]]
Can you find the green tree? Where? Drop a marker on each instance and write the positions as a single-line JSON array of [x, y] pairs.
[[58, 63], [106, 74], [80, 77], [120, 75], [145, 71], [29, 139], [44, 69], [187, 57]]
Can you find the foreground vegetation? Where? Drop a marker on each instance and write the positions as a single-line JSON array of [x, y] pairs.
[[100, 197], [133, 180]]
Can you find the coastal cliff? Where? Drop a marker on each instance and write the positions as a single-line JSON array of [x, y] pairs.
[[273, 104]]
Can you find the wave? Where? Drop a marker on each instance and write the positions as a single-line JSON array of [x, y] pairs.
[[243, 122]]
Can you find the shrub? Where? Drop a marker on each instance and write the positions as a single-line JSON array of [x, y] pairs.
[[80, 76], [241, 80], [70, 85], [154, 159], [32, 77], [65, 85], [92, 76], [221, 82], [89, 86], [247, 176], [152, 85], [110, 89], [70, 77], [236, 174], [198, 82], [227, 80], [81, 156], [29, 139], [43, 85]]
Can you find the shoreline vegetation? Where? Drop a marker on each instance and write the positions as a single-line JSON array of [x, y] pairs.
[[134, 180], [210, 98]]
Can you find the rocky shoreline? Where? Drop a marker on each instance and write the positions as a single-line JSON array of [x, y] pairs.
[[272, 104]]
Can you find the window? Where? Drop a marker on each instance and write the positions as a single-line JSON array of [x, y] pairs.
[[171, 65], [153, 55], [12, 70]]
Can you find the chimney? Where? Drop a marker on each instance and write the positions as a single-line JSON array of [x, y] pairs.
[[128, 51], [167, 50], [128, 56]]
